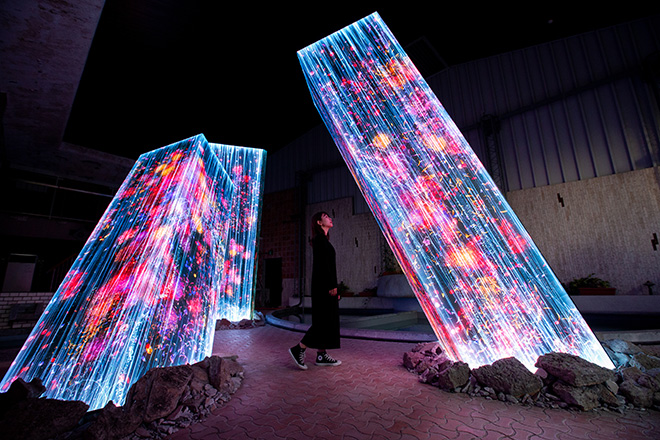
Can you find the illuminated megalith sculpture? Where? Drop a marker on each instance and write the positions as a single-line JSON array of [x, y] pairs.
[[246, 168], [143, 291], [482, 283]]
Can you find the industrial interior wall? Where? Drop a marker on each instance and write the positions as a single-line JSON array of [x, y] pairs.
[[572, 109], [576, 114], [568, 110], [608, 226], [358, 242]]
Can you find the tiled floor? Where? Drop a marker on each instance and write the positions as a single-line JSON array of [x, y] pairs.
[[372, 396]]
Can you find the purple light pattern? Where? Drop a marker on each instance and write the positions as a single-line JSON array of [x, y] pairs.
[[143, 291], [482, 283], [246, 168]]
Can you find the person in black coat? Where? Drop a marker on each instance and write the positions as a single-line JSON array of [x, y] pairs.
[[323, 334]]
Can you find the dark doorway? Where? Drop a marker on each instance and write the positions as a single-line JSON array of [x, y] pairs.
[[273, 281]]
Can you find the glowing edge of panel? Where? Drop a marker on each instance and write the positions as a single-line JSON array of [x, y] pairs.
[[246, 167]]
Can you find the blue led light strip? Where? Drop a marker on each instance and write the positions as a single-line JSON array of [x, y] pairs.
[[481, 281]]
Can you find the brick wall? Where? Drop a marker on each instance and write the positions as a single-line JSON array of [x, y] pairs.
[[280, 223], [9, 299]]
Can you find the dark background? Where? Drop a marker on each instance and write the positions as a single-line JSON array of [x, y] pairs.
[[160, 71]]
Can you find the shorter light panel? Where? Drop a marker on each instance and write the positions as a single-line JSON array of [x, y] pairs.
[[246, 167], [481, 281], [143, 291]]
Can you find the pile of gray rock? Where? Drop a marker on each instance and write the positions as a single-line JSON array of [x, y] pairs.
[[161, 402], [638, 372], [225, 324], [561, 380]]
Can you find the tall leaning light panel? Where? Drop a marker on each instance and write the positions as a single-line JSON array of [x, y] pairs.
[[143, 291], [246, 168], [482, 283]]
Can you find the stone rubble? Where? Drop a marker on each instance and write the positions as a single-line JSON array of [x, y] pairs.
[[508, 376], [21, 411], [161, 402], [560, 381], [225, 324]]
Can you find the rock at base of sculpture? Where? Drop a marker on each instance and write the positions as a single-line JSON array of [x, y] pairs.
[[453, 375], [225, 324], [508, 376], [584, 397], [573, 370], [41, 419], [158, 404], [636, 394], [561, 380]]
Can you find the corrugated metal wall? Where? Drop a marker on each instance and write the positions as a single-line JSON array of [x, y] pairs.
[[311, 153], [568, 110], [316, 155]]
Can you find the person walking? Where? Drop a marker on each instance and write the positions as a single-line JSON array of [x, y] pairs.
[[323, 334]]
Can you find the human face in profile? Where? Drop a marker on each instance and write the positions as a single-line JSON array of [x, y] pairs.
[[325, 223]]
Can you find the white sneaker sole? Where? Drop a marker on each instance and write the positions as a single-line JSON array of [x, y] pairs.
[[336, 364]]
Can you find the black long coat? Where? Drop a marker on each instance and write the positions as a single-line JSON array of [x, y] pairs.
[[324, 331]]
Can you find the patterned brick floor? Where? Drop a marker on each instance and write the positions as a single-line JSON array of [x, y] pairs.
[[372, 396]]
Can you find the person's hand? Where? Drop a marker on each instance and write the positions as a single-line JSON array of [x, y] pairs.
[[333, 292]]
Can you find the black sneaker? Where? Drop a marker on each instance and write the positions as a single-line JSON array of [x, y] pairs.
[[298, 355], [324, 360]]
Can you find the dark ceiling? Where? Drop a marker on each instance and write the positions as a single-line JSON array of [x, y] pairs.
[[160, 71]]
